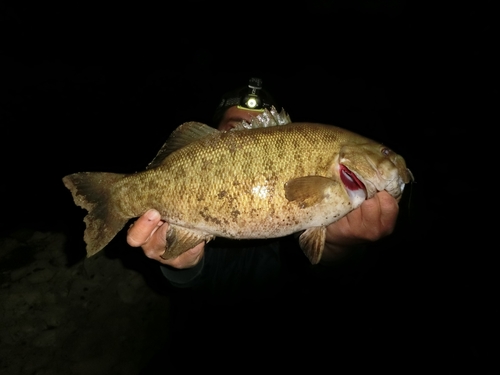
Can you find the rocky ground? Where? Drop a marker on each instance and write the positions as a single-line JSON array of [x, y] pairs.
[[109, 314], [91, 317]]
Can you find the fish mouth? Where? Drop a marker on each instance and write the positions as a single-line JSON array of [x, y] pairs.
[[353, 185]]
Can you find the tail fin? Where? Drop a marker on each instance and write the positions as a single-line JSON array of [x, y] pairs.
[[92, 192]]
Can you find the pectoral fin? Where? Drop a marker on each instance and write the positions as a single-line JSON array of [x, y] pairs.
[[181, 239], [310, 190], [312, 242]]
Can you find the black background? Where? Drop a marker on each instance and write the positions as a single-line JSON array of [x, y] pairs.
[[99, 87]]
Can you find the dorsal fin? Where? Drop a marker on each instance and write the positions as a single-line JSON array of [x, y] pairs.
[[180, 137], [265, 119]]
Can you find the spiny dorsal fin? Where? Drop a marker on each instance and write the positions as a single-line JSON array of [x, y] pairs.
[[265, 119], [180, 137]]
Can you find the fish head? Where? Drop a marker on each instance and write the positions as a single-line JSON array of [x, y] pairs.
[[368, 168]]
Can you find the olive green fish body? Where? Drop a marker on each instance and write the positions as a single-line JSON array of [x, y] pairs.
[[258, 183]]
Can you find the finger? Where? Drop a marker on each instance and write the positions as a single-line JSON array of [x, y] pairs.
[[370, 212], [379, 216], [139, 233], [389, 210], [156, 244]]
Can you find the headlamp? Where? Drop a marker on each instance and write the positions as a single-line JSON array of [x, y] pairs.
[[252, 100]]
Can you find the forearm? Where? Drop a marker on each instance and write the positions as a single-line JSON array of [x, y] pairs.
[[237, 268], [183, 278]]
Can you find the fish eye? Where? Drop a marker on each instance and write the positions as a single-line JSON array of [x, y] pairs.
[[386, 151]]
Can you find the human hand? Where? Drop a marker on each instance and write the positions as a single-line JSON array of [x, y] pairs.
[[150, 233], [373, 220]]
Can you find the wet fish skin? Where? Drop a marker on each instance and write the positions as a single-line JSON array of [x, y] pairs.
[[244, 184]]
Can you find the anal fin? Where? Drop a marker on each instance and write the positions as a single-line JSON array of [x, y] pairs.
[[181, 239]]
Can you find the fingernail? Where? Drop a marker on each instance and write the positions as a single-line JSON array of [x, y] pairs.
[[152, 215]]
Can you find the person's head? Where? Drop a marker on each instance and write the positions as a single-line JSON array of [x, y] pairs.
[[242, 104]]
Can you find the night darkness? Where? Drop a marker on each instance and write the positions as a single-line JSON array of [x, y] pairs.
[[101, 88]]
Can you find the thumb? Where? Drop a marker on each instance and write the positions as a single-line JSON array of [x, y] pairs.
[[140, 231]]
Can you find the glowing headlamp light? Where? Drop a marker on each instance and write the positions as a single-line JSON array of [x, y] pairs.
[[252, 100]]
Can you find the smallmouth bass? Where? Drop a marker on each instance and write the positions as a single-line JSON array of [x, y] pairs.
[[256, 183]]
